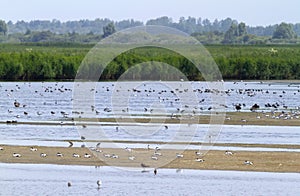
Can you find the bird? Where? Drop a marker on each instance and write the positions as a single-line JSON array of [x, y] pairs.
[[17, 104], [69, 184], [199, 160], [43, 155], [198, 153], [144, 165], [86, 155], [179, 155], [155, 171], [98, 145], [71, 144], [154, 158], [59, 154], [76, 155], [132, 158], [238, 107], [228, 153], [128, 149], [16, 155], [99, 183], [33, 149], [1, 148], [248, 162]]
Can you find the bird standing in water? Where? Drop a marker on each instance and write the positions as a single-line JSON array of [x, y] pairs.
[[155, 171]]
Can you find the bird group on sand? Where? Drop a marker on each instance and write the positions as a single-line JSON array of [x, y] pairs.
[[43, 155]]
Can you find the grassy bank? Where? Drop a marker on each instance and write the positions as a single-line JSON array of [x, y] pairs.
[[58, 61]]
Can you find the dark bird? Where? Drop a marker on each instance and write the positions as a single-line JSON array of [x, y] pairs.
[[17, 104], [254, 107], [155, 171], [71, 144], [144, 165], [99, 183], [238, 107]]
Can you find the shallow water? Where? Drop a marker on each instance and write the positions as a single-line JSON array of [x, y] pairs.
[[51, 135], [21, 179], [42, 98]]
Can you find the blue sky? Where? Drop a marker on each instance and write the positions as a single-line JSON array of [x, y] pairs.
[[252, 12]]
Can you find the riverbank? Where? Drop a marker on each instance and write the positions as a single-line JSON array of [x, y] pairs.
[[229, 118]]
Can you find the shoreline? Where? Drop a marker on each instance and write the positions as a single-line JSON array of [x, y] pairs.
[[213, 160], [258, 118]]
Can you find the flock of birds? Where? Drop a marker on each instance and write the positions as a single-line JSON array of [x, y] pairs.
[[155, 156], [170, 98]]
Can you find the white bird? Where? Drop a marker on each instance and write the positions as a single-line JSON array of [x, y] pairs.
[[154, 158], [198, 153], [107, 155], [98, 150], [199, 160], [86, 155], [179, 155], [16, 155], [59, 154], [114, 156], [132, 158], [228, 153], [128, 149], [76, 155], [43, 155], [33, 149], [248, 163], [1, 148], [157, 153]]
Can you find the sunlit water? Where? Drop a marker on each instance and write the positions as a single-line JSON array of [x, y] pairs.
[[39, 99], [20, 179], [44, 135]]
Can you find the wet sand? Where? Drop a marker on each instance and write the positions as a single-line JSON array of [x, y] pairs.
[[213, 160], [230, 118]]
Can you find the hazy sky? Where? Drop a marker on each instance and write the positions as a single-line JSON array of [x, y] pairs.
[[252, 12]]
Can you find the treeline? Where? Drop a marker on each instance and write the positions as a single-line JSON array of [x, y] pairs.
[[189, 25], [55, 62]]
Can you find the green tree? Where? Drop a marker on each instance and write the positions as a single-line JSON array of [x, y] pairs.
[[242, 29], [284, 31], [230, 34], [3, 27], [109, 29]]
